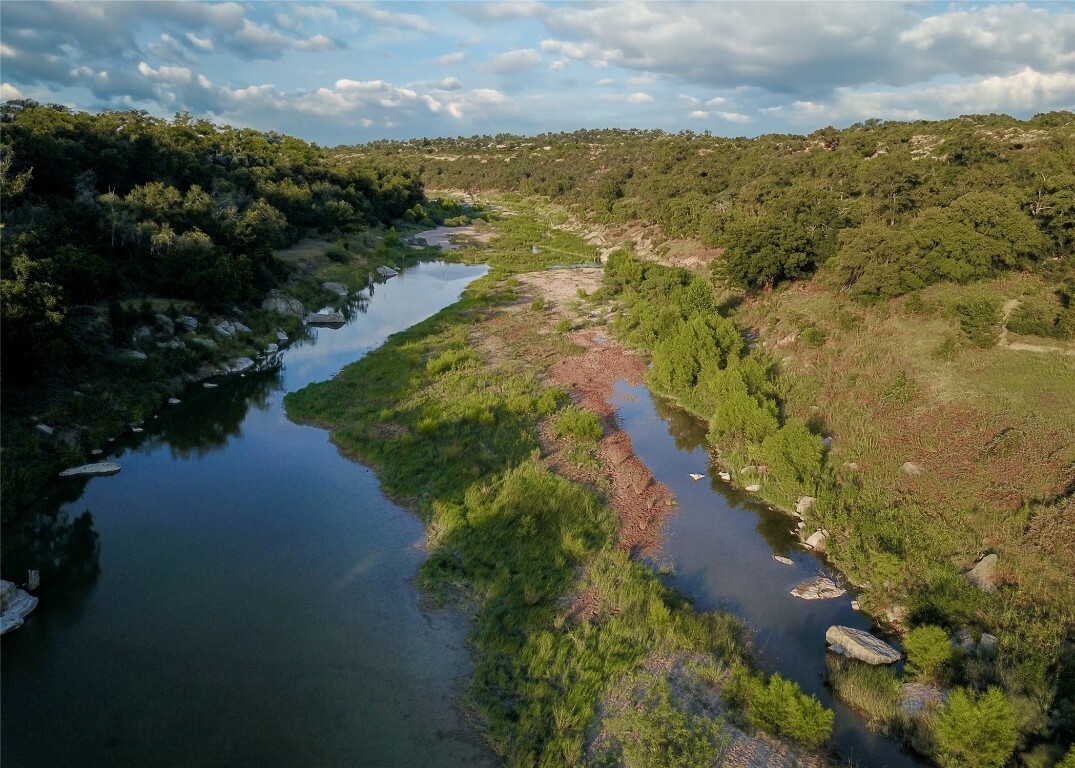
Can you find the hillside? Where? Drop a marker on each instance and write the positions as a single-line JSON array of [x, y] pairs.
[[880, 317]]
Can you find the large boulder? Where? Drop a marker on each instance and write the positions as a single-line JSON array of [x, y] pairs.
[[860, 644], [338, 288], [14, 605], [280, 302], [817, 540], [820, 588], [165, 324], [983, 574], [804, 505]]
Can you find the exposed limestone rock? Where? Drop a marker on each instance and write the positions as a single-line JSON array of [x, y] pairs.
[[820, 588], [280, 302], [784, 560], [45, 428], [912, 469], [860, 644], [100, 468], [281, 337], [917, 697], [804, 505], [15, 604], [325, 318], [190, 322], [753, 488], [817, 539], [337, 288], [983, 574], [240, 365]]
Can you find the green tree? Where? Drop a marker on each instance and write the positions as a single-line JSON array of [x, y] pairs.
[[975, 730]]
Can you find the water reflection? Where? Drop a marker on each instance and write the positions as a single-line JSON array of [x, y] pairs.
[[220, 414], [65, 550]]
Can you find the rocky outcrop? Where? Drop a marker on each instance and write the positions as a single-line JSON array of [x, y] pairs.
[[278, 301], [325, 318], [15, 604], [387, 272], [860, 644], [90, 470], [804, 505], [338, 288], [912, 469], [983, 574], [820, 588]]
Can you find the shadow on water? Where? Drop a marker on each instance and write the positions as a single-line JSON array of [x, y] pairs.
[[720, 544], [239, 594]]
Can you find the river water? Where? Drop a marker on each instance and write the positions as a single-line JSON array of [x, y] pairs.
[[240, 594], [720, 543]]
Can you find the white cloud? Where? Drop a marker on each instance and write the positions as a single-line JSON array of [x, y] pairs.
[[517, 60], [450, 84], [558, 66], [639, 98], [392, 18], [8, 91], [201, 43], [166, 74], [451, 58]]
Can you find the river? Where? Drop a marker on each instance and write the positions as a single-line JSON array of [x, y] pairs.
[[720, 543], [240, 594]]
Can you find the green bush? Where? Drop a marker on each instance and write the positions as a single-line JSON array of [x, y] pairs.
[[929, 651], [975, 730], [793, 452], [579, 424], [564, 325], [980, 319], [779, 707], [538, 304]]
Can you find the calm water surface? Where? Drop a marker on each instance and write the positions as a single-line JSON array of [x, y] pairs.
[[240, 594], [721, 544]]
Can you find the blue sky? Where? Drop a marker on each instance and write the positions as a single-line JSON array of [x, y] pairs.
[[346, 72]]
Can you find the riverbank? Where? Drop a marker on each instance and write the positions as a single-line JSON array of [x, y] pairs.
[[453, 415], [158, 348]]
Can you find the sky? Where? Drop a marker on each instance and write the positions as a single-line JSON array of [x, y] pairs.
[[353, 72]]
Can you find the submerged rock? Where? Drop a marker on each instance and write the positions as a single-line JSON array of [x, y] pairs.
[[784, 560], [15, 604], [100, 468], [820, 588], [860, 644]]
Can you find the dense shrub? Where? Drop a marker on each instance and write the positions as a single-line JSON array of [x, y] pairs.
[[975, 730], [929, 651], [779, 707], [979, 317]]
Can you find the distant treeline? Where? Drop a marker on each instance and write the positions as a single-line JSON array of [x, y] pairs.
[[886, 207], [122, 204]]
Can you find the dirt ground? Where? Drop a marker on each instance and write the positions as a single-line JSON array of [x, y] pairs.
[[590, 378]]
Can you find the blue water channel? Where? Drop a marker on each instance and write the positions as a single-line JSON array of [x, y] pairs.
[[240, 594], [720, 543]]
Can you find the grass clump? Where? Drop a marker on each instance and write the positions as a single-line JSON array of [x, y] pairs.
[[579, 424], [871, 690]]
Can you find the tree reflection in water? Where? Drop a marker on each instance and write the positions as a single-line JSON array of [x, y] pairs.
[[207, 418]]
